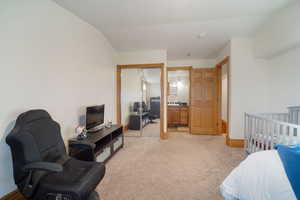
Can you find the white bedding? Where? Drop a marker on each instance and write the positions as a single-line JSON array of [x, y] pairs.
[[260, 176]]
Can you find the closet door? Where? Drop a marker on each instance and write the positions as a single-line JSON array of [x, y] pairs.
[[204, 101], [132, 101]]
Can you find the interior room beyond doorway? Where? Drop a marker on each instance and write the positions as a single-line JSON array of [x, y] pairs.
[[178, 99], [139, 98]]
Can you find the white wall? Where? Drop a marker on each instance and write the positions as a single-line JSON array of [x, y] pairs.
[[142, 57], [268, 85], [284, 81], [279, 40], [196, 63], [49, 59], [224, 52], [154, 89], [280, 33], [248, 86]]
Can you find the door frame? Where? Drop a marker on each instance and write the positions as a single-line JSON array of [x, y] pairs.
[[160, 66], [180, 68], [226, 60]]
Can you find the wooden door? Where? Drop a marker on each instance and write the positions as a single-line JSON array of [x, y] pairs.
[[204, 101]]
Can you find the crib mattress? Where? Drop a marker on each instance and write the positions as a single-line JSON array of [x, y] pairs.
[[261, 177]]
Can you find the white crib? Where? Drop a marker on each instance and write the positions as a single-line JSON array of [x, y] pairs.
[[264, 131], [294, 114]]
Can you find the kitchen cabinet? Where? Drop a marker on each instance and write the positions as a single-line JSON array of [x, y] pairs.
[[178, 116]]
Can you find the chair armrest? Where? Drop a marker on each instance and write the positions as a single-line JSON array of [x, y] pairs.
[[81, 143], [43, 166], [30, 185]]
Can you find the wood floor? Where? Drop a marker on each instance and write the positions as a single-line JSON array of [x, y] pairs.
[[13, 196], [179, 129]]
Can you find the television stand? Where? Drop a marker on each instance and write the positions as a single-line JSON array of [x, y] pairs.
[[98, 146]]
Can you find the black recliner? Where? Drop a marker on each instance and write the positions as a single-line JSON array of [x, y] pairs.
[[42, 169]]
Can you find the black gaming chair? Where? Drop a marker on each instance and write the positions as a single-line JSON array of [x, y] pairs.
[[42, 168], [154, 109]]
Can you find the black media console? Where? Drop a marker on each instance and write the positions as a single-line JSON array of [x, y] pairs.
[[98, 146]]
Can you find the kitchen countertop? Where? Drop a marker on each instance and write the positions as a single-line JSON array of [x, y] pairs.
[[177, 105]]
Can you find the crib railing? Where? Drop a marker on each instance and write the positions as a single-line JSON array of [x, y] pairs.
[[264, 131], [283, 117], [294, 114]]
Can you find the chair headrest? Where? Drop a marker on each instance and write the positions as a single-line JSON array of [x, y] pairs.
[[32, 115]]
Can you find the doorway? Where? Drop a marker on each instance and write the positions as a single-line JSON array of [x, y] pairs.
[[204, 101], [178, 97], [201, 108], [140, 100], [224, 102]]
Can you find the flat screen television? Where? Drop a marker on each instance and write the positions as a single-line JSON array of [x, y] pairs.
[[94, 118]]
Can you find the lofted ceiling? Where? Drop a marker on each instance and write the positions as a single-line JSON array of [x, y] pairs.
[[175, 25]]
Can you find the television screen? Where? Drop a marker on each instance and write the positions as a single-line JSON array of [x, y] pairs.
[[94, 116]]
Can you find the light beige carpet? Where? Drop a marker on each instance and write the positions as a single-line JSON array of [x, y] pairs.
[[185, 167]]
